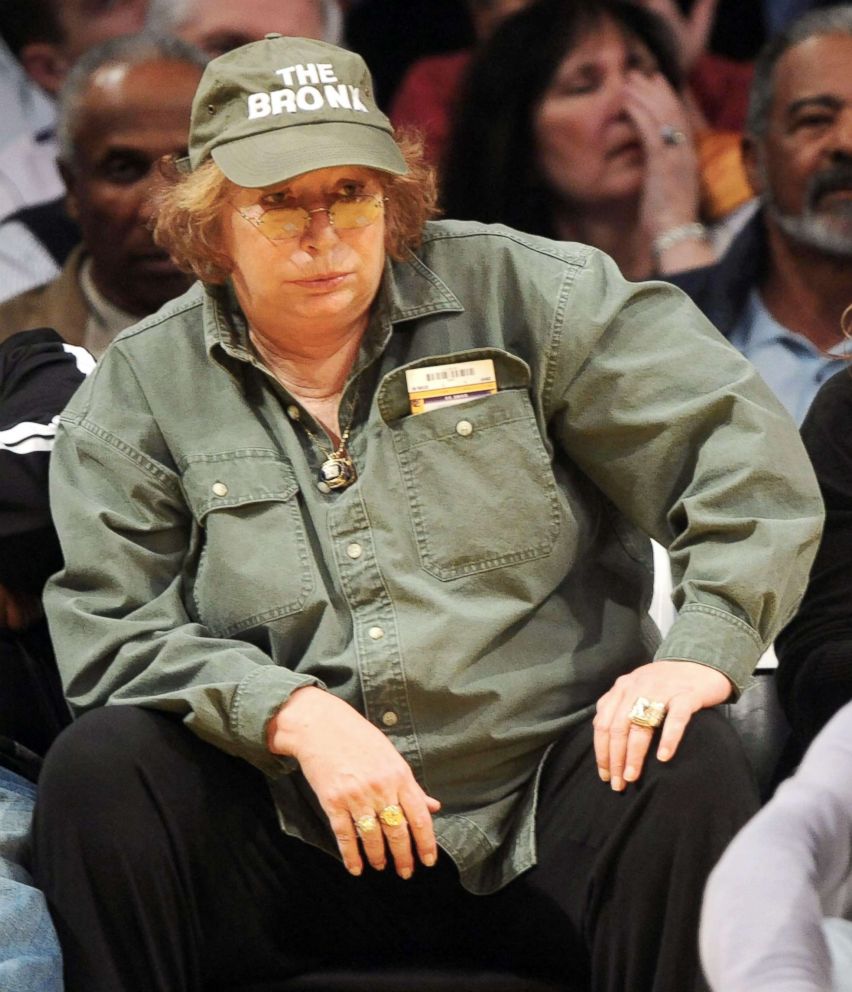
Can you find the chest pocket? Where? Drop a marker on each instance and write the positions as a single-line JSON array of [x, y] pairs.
[[253, 565], [481, 490]]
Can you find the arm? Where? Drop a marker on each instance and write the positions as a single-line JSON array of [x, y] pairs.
[[678, 431], [38, 375], [815, 649], [786, 870], [117, 612]]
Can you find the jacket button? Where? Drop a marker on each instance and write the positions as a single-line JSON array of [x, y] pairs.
[[389, 718], [354, 550], [220, 489], [464, 428], [376, 633], [293, 412]]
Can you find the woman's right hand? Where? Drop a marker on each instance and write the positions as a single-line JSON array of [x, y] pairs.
[[671, 194], [356, 772]]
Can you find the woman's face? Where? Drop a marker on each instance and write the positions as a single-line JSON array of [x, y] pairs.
[[588, 149], [323, 279]]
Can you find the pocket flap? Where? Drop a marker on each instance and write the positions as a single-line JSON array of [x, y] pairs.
[[237, 478]]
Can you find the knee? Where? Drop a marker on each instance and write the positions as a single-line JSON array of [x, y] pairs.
[[96, 759], [709, 779]]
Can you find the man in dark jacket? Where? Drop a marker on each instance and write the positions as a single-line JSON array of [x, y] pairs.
[[779, 291]]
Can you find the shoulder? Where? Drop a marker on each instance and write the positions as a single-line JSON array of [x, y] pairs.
[[518, 269], [22, 311], [147, 362], [172, 330], [39, 372], [58, 303], [464, 251]]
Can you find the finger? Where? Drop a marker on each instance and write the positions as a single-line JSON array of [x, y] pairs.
[[638, 744], [600, 726], [347, 840], [398, 840], [420, 825], [651, 102], [678, 716], [618, 736], [369, 831]]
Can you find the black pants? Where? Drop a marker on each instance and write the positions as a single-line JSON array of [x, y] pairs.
[[166, 871]]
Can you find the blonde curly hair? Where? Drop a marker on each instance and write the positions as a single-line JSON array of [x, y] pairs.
[[189, 210]]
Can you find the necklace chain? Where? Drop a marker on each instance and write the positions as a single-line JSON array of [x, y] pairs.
[[338, 469]]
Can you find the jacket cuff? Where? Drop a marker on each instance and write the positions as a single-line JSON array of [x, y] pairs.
[[257, 699], [712, 637]]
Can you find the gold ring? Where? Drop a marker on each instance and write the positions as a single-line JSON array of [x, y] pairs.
[[646, 713], [392, 816], [365, 824]]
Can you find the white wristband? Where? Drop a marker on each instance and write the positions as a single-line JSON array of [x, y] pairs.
[[675, 235]]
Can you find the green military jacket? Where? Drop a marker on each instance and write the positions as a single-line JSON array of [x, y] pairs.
[[486, 578]]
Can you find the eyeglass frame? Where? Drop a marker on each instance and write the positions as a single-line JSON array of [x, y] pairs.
[[377, 198]]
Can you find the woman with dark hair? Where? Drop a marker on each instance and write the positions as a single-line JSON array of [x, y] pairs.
[[571, 126]]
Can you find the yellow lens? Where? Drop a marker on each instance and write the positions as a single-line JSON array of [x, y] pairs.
[[283, 222], [355, 211]]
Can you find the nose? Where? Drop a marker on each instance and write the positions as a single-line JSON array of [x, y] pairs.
[[320, 230], [617, 95], [841, 144]]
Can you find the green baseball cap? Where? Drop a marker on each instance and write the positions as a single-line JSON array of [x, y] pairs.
[[279, 107]]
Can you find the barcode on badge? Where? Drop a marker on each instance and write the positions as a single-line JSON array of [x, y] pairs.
[[434, 386]]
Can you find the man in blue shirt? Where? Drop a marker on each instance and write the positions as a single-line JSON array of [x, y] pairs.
[[779, 291]]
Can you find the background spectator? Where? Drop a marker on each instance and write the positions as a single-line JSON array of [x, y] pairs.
[[37, 377], [125, 105], [428, 93], [48, 36], [777, 914], [571, 127], [217, 26], [779, 291], [815, 651]]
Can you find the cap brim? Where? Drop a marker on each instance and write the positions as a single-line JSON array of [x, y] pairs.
[[280, 154]]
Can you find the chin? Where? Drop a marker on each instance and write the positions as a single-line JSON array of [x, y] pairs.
[[826, 231]]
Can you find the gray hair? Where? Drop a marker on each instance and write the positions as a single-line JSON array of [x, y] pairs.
[[168, 15], [136, 49], [831, 20]]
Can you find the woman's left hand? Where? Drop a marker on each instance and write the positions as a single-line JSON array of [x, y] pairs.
[[683, 687]]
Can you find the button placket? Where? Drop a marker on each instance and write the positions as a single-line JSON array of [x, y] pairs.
[[374, 627]]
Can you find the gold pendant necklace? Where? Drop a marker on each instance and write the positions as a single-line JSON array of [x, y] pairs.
[[338, 469]]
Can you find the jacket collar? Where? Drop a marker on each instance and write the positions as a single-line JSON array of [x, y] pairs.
[[721, 290], [408, 290]]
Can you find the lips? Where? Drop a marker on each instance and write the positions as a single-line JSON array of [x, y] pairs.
[[322, 280]]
